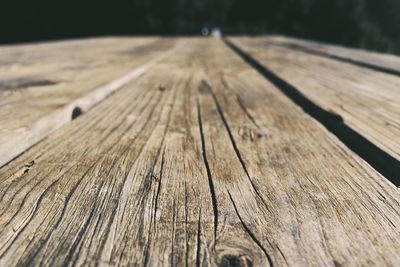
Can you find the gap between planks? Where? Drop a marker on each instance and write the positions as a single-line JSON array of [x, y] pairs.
[[35, 132], [352, 56], [137, 189], [377, 157]]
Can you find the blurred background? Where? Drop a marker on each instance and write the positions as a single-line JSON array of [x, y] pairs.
[[369, 24]]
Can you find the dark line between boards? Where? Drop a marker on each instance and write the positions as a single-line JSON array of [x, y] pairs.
[[342, 59], [384, 163]]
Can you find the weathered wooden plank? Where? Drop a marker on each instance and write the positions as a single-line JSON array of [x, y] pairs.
[[40, 105], [368, 101], [377, 61], [199, 162], [137, 180], [298, 174], [106, 133], [22, 65]]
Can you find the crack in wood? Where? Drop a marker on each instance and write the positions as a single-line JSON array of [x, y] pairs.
[[383, 162], [198, 241], [208, 170], [133, 191], [240, 102], [233, 142], [250, 233]]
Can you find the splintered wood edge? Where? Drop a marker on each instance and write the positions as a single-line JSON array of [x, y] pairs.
[[32, 134]]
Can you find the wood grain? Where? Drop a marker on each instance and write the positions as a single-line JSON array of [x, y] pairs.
[[20, 64], [199, 162], [368, 101], [38, 106], [381, 62]]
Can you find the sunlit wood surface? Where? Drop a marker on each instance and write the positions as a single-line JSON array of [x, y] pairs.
[[184, 152]]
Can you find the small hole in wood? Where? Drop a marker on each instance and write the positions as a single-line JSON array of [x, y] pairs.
[[76, 112], [235, 261]]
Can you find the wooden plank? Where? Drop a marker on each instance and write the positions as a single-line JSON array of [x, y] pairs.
[[380, 62], [273, 140], [367, 101], [29, 113], [199, 162], [20, 64]]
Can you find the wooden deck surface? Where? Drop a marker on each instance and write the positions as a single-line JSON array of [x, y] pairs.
[[198, 152]]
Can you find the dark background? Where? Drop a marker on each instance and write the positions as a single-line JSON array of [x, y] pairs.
[[371, 24]]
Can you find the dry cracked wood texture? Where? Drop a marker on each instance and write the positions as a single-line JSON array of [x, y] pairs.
[[381, 62], [42, 86], [364, 99], [198, 161]]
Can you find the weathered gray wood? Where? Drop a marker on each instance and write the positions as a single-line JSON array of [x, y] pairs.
[[367, 100], [32, 109], [198, 162], [50, 61], [384, 62]]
